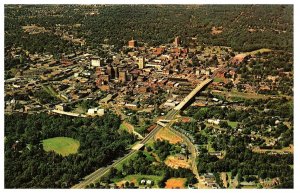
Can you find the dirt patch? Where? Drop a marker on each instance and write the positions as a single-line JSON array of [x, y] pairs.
[[33, 29], [216, 30], [129, 126], [289, 149], [238, 58], [223, 178], [177, 162], [166, 134], [251, 30], [185, 119], [175, 183]]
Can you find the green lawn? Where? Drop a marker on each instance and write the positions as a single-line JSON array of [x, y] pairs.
[[262, 50], [138, 178], [123, 127], [61, 145], [232, 124], [53, 93], [150, 143], [209, 148], [79, 109], [149, 157], [120, 165], [249, 187], [218, 79]]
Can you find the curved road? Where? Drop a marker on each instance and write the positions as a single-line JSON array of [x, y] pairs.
[[193, 151], [95, 176]]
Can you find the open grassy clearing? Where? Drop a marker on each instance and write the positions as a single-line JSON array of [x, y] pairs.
[[175, 183], [53, 93], [166, 134], [136, 179], [232, 124], [125, 161], [249, 187], [150, 143], [123, 127], [236, 94], [149, 156], [241, 56], [61, 145], [209, 148], [177, 162], [217, 79], [289, 149], [262, 50]]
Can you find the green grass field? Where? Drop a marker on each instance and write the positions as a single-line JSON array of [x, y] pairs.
[[218, 79], [119, 166], [262, 50], [53, 93], [61, 145], [138, 178], [149, 157], [232, 124], [123, 127]]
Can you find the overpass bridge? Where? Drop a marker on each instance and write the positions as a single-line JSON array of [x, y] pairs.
[[192, 94], [92, 178]]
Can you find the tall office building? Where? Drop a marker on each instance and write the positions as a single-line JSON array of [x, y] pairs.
[[132, 43], [141, 62], [122, 76], [110, 72], [177, 41], [116, 70]]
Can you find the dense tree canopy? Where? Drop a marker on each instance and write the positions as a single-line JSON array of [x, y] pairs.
[[27, 165], [244, 27]]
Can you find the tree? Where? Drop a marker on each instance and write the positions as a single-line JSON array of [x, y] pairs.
[[126, 184]]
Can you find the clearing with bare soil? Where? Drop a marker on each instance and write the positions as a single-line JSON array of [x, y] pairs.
[[166, 134], [177, 162], [175, 183]]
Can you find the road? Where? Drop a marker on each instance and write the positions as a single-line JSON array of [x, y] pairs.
[[193, 151], [192, 94], [95, 176]]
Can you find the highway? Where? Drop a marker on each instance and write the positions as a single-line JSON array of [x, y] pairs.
[[192, 94], [95, 176]]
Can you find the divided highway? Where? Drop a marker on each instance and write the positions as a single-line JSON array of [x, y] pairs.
[[95, 176]]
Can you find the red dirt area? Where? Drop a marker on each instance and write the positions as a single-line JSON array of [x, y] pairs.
[[151, 128], [185, 120], [177, 183], [238, 58]]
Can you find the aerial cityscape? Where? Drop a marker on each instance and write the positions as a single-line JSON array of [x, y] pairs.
[[148, 96]]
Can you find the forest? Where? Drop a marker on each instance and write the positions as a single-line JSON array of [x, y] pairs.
[[27, 165], [242, 27]]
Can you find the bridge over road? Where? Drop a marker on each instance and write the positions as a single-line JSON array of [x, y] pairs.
[[192, 94], [95, 176]]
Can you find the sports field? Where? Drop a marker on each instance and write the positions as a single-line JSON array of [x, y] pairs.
[[61, 145]]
